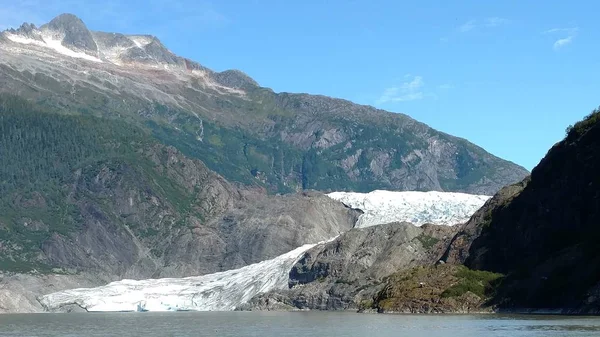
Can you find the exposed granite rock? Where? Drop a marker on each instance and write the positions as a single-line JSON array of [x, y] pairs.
[[19, 292], [421, 291], [350, 271], [73, 32]]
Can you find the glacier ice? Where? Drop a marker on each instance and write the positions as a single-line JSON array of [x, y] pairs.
[[227, 290], [419, 208], [214, 292]]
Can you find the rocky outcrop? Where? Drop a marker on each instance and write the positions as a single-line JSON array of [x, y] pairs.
[[543, 232], [349, 271], [438, 289], [72, 33]]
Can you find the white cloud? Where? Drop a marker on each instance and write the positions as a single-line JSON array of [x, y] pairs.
[[566, 36], [490, 22], [410, 90], [467, 26], [562, 42], [495, 22], [569, 31]]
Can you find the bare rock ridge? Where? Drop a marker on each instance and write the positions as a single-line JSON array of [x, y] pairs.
[[290, 141], [73, 33]]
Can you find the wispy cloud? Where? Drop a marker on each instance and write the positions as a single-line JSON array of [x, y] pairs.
[[445, 86], [410, 90], [562, 42], [565, 36], [467, 26], [490, 22]]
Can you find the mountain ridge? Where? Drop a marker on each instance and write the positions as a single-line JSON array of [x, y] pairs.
[[290, 141]]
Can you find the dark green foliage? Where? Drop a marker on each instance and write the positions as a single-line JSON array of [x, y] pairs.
[[480, 283], [42, 156], [574, 131], [427, 241], [235, 154]]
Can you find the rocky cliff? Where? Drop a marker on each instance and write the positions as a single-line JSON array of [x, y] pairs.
[[349, 271], [543, 232]]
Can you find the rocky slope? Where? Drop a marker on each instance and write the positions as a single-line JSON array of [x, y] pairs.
[[349, 271], [93, 200], [284, 142], [543, 232], [530, 248]]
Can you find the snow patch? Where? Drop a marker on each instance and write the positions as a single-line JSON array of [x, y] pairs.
[[214, 292], [51, 43], [140, 40], [419, 208]]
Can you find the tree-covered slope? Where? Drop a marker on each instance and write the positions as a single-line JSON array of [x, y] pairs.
[[87, 194]]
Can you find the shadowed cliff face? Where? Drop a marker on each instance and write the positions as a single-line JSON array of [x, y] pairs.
[[544, 231]]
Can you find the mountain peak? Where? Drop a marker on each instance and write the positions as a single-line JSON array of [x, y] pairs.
[[235, 79], [74, 33]]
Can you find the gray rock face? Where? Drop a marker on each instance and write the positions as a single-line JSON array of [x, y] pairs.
[[76, 35], [18, 292], [112, 40], [350, 270], [139, 234], [235, 79]]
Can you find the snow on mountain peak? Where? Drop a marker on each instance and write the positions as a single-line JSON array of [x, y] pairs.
[[419, 208], [50, 41]]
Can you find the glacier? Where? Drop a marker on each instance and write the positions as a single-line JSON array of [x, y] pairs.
[[227, 290], [223, 291], [419, 208]]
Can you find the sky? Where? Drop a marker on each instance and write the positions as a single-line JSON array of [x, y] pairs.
[[509, 76]]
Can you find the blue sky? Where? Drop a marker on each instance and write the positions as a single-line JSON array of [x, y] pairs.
[[509, 76]]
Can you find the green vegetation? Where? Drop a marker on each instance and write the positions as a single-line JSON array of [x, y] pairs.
[[40, 154], [480, 283], [574, 131], [44, 156], [427, 241]]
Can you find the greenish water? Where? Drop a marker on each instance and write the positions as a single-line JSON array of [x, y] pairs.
[[271, 324]]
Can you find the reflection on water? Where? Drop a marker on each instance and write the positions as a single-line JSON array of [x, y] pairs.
[[267, 324]]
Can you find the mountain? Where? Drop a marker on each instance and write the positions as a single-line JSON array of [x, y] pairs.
[[334, 275], [81, 195], [532, 247], [281, 141], [543, 232]]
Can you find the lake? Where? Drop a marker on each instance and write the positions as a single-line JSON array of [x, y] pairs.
[[267, 324]]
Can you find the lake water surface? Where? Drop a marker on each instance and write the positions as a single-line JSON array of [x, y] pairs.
[[271, 324]]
